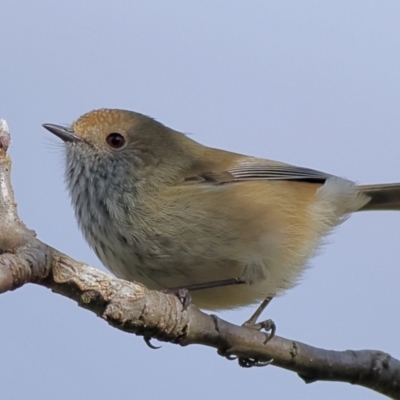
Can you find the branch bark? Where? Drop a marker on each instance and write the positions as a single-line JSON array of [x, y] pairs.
[[131, 307]]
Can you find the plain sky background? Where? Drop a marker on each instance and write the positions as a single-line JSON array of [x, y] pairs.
[[312, 83]]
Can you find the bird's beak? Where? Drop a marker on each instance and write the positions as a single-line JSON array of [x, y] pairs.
[[64, 133]]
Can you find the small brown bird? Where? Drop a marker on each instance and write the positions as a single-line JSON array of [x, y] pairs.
[[164, 210]]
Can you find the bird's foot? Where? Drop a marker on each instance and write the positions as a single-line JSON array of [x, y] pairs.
[[182, 294], [268, 326], [246, 362]]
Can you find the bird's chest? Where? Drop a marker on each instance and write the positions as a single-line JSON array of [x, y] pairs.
[[127, 246]]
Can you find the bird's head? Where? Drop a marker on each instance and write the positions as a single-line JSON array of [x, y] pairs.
[[111, 141]]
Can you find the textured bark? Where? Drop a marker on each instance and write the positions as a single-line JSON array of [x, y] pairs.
[[133, 308]]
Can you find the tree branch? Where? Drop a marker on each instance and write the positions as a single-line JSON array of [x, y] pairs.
[[133, 308]]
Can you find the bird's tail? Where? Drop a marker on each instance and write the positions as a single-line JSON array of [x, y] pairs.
[[383, 196]]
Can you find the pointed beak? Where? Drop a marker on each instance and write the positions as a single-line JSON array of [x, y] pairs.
[[64, 133]]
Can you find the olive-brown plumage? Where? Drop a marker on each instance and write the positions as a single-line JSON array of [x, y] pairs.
[[162, 209]]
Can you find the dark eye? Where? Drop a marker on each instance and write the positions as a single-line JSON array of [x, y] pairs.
[[115, 140]]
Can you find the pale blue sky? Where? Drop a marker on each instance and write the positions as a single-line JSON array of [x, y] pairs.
[[312, 83]]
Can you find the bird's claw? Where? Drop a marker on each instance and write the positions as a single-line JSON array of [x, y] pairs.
[[244, 361], [147, 340], [253, 362], [182, 294], [224, 354], [268, 326]]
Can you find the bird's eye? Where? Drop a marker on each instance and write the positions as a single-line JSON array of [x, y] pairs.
[[115, 140]]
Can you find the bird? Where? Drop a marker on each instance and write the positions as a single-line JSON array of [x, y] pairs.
[[159, 208]]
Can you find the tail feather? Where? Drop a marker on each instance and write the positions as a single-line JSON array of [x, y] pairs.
[[383, 196]]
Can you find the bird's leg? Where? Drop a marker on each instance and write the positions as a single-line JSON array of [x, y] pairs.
[[268, 325], [183, 293], [213, 284]]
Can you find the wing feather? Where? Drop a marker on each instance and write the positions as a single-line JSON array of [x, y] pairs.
[[259, 169]]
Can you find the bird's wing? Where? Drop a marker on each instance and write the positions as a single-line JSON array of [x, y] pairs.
[[251, 169]]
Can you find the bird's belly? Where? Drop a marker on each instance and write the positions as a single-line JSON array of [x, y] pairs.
[[264, 275], [158, 274]]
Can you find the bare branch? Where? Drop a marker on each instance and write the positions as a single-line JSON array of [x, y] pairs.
[[133, 308]]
